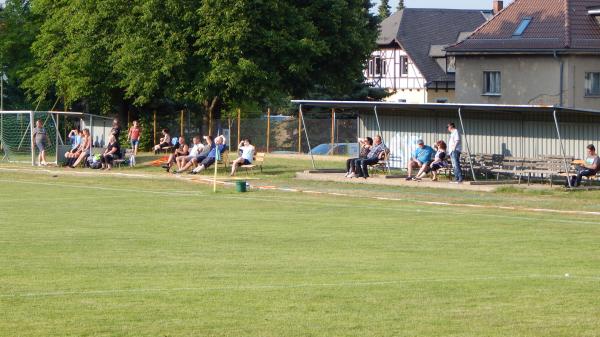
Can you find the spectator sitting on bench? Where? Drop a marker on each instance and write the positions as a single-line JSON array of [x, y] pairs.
[[589, 168], [181, 151], [194, 151], [246, 157], [439, 161], [421, 158], [211, 157], [112, 151], [202, 154], [373, 157], [165, 141], [365, 147], [85, 149], [75, 137]]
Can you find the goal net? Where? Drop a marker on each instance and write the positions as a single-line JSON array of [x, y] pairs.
[[18, 146]]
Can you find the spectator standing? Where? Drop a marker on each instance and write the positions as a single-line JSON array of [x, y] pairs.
[[40, 138], [116, 129], [455, 148], [133, 136]]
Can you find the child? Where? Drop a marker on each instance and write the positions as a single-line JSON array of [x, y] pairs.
[[133, 136]]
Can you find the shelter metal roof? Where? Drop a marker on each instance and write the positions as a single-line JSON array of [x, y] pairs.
[[384, 107]]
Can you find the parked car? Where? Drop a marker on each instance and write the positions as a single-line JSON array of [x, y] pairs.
[[342, 149]]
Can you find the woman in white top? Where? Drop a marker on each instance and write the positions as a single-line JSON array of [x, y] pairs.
[[246, 157]]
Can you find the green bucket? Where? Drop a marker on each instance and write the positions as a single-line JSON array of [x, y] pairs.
[[240, 186]]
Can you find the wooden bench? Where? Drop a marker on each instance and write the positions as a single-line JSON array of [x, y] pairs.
[[383, 164], [259, 159]]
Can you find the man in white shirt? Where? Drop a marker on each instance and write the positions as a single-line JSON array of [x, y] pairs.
[[197, 148], [455, 148], [246, 157]]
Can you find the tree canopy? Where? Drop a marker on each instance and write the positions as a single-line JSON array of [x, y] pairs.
[[104, 55], [384, 9]]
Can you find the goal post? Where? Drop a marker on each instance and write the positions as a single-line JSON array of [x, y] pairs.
[[16, 137]]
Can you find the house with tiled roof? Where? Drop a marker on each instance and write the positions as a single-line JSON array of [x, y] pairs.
[[410, 62], [533, 52]]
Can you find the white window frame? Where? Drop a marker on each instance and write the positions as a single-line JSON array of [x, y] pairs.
[[495, 88], [591, 78]]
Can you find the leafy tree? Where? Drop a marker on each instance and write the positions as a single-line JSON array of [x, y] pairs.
[[400, 5], [18, 29], [384, 9]]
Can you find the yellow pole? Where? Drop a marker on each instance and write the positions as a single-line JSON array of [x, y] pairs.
[[215, 177], [332, 129], [239, 112], [154, 123], [268, 128], [300, 132], [181, 125]]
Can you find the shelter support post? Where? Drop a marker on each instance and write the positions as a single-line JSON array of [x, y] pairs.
[[312, 158], [562, 147], [332, 131], [462, 125], [57, 131]]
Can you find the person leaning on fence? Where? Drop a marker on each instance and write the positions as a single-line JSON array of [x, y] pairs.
[[365, 147], [40, 136], [373, 157], [202, 154], [246, 155], [589, 168], [455, 148], [220, 145], [165, 141], [439, 161], [112, 151], [421, 158], [181, 151]]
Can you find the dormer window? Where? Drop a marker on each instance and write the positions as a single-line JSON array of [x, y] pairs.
[[522, 26]]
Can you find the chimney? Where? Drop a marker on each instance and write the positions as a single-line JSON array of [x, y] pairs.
[[497, 6]]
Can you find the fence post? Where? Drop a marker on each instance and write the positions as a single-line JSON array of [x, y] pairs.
[[154, 127], [31, 117], [239, 113], [181, 124], [268, 128]]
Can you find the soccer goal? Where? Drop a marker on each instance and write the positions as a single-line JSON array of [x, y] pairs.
[[16, 138]]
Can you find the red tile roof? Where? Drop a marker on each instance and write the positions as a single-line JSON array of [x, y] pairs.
[[555, 24]]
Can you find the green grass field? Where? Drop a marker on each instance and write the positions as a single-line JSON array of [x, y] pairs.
[[114, 256]]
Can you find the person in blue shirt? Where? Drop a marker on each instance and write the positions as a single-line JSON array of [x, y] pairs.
[[421, 158]]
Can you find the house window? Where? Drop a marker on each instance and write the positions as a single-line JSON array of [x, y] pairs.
[[371, 70], [592, 84], [378, 66], [491, 83], [404, 65]]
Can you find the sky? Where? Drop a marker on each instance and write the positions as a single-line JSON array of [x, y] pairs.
[[463, 4]]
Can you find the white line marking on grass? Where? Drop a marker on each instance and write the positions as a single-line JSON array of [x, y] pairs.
[[306, 203], [258, 287]]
